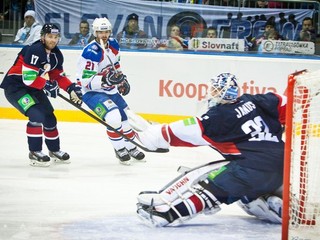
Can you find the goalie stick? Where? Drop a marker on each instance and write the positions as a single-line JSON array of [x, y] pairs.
[[158, 150]]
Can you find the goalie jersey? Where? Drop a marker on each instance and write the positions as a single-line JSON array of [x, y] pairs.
[[235, 129], [93, 61]]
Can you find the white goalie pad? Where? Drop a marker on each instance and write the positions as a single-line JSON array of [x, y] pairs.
[[152, 138], [154, 206], [182, 184], [267, 209], [137, 122], [193, 202]]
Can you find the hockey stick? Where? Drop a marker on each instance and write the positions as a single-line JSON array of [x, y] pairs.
[[104, 50], [158, 150], [135, 121]]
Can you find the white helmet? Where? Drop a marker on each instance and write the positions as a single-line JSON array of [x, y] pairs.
[[101, 24], [223, 89]]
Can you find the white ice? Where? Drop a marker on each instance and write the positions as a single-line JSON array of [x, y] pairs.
[[94, 197]]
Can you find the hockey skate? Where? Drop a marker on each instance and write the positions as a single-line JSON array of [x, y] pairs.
[[136, 154], [39, 159], [123, 156], [60, 156]]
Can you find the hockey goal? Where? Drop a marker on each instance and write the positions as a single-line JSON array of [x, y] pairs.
[[301, 188]]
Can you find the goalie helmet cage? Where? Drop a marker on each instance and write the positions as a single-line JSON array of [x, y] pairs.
[[301, 180]]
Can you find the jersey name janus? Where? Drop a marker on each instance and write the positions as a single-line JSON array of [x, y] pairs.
[[245, 109]]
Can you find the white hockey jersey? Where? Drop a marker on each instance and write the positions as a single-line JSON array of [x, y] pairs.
[[93, 61]]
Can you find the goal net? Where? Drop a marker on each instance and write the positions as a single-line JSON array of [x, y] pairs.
[[301, 188]]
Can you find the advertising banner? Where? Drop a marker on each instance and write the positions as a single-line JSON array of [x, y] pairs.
[[287, 47], [156, 17], [217, 44]]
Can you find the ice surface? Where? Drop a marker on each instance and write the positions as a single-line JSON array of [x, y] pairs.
[[94, 197]]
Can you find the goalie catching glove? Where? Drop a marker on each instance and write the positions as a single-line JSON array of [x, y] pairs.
[[75, 93]]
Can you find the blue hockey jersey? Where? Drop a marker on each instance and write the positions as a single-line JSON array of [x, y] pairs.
[[249, 130]]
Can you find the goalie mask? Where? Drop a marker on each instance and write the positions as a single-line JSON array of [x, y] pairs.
[[101, 24], [223, 89]]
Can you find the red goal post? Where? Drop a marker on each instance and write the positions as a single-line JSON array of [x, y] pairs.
[[301, 180]]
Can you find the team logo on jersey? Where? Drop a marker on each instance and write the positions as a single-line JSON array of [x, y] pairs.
[[47, 67], [26, 101], [29, 75], [94, 47], [100, 110]]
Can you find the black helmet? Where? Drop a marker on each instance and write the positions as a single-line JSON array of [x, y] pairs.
[[49, 28]]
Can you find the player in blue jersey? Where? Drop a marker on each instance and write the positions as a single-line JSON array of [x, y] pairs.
[[245, 130], [104, 84], [36, 74]]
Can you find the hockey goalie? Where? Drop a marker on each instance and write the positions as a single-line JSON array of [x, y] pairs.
[[247, 131]]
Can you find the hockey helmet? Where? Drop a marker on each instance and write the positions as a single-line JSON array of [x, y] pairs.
[[49, 28], [223, 89], [101, 24]]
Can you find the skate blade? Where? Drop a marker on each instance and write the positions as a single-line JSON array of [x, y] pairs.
[[58, 161], [126, 163], [35, 163], [142, 160]]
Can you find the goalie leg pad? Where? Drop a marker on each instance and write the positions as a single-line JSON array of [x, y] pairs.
[[159, 211], [182, 198], [137, 122], [267, 209]]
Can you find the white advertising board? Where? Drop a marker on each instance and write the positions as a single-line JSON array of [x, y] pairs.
[[289, 47], [175, 83]]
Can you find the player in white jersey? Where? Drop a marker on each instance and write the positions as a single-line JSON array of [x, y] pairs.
[[103, 83]]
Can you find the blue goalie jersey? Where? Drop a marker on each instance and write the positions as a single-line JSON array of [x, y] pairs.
[[249, 130]]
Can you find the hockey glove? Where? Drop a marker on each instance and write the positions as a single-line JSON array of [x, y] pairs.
[[124, 87], [75, 93], [51, 89], [111, 78]]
